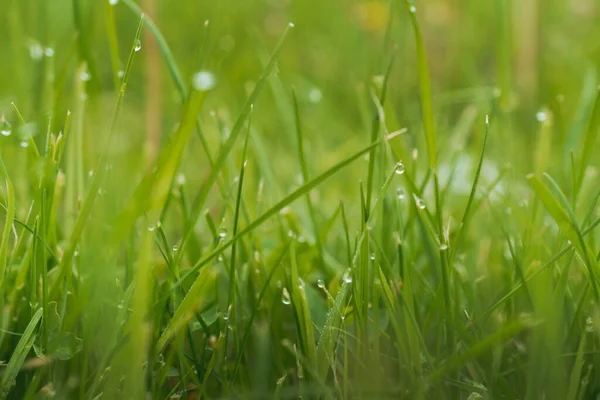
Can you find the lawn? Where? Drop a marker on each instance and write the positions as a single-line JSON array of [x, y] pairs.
[[339, 199]]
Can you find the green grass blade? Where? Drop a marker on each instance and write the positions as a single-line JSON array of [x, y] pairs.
[[466, 216], [18, 355], [589, 141], [8, 224], [425, 86]]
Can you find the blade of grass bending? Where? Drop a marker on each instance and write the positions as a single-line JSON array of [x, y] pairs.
[[556, 257], [564, 217], [8, 223], [228, 145], [465, 219], [231, 302], [375, 129], [301, 191], [425, 87], [97, 179], [304, 321], [328, 339], [18, 356], [589, 142], [497, 337], [194, 300]]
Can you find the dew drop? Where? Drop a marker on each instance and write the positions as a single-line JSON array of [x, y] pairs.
[[204, 81], [175, 247], [420, 203], [85, 76], [121, 74], [400, 194], [223, 233], [285, 297], [35, 50], [5, 127], [347, 277], [138, 45], [300, 284], [49, 52], [541, 116], [321, 284], [372, 257], [413, 8], [24, 144], [400, 168], [315, 95], [113, 2], [443, 247]]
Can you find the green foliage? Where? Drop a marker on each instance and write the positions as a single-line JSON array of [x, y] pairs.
[[411, 213]]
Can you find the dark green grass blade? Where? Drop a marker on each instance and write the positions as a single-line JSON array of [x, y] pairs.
[[466, 216], [425, 86], [18, 355]]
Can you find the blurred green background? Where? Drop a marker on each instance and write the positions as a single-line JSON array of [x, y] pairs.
[[509, 56]]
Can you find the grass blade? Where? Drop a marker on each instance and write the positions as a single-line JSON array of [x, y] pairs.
[[19, 354]]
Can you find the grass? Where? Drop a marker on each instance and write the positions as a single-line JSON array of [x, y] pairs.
[[365, 199]]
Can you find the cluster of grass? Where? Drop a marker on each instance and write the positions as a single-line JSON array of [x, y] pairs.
[[279, 244]]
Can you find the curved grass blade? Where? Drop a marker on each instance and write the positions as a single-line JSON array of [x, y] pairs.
[[486, 344], [19, 354], [589, 142], [196, 298], [466, 216], [425, 86], [564, 217], [8, 224]]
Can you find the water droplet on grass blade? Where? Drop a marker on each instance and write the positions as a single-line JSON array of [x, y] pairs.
[[347, 277], [204, 81], [315, 96], [400, 194], [35, 50], [175, 247], [420, 203], [138, 45], [113, 2], [541, 116], [85, 76], [285, 297], [321, 284], [400, 168], [5, 127], [413, 8]]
